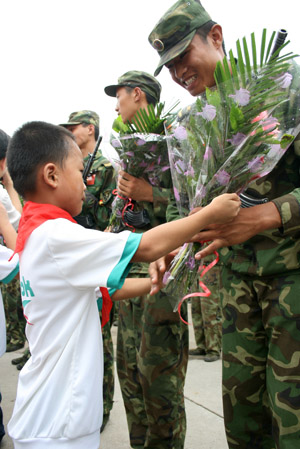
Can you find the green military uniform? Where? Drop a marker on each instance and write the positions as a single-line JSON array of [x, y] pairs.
[[95, 214], [152, 344], [15, 322], [261, 338], [260, 288]]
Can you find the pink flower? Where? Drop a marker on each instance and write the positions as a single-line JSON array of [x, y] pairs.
[[176, 194], [284, 80], [208, 112], [190, 172], [140, 142], [237, 139], [255, 164], [260, 117], [180, 133], [208, 153], [222, 177], [241, 96]]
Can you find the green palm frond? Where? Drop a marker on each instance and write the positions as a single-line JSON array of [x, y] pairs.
[[152, 120]]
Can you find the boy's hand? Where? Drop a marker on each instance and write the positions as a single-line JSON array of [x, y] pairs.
[[157, 270], [4, 220], [226, 207], [136, 188]]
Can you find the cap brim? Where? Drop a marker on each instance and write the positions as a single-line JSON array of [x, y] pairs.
[[70, 124], [111, 90], [174, 51]]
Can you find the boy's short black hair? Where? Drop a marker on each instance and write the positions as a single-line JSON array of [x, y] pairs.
[[4, 141], [32, 145]]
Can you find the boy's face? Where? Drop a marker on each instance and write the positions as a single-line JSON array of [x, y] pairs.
[[71, 186], [194, 68]]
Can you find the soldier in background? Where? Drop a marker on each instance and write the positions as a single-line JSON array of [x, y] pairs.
[[152, 345], [261, 262], [95, 215]]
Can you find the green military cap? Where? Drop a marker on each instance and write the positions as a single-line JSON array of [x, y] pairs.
[[76, 118], [135, 78], [176, 29]]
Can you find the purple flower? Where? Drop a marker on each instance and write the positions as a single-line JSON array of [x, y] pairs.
[[165, 168], [180, 133], [115, 143], [130, 153], [199, 194], [140, 142], [255, 164], [190, 263], [176, 194], [143, 164], [153, 147], [222, 177], [208, 153], [166, 277], [237, 139], [208, 112], [180, 166], [241, 96], [284, 80], [190, 172]]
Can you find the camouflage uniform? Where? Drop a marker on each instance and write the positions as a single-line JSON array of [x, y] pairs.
[[15, 323], [152, 354], [261, 338], [95, 214], [152, 342], [259, 291], [206, 315]]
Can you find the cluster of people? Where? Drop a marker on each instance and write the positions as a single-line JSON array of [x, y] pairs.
[[71, 270]]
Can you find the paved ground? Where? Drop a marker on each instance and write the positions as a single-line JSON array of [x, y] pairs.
[[205, 428]]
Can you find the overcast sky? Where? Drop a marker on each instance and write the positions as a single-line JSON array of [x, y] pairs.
[[58, 55]]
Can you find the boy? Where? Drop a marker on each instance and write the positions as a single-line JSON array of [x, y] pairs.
[[61, 264]]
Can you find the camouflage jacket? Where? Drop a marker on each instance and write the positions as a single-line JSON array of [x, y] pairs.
[[276, 251], [99, 193], [156, 212]]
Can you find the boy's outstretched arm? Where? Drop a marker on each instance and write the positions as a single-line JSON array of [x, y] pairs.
[[133, 287], [165, 238], [6, 229]]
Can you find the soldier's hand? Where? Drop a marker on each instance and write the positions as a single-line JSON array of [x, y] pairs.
[[249, 222], [137, 189]]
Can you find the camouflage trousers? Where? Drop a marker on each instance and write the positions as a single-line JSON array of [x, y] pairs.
[[15, 321], [108, 373], [152, 355], [261, 368], [206, 314]]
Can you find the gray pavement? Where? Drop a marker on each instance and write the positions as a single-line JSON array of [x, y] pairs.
[[205, 427]]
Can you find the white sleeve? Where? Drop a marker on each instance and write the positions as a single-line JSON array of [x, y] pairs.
[[8, 269], [13, 215], [88, 258]]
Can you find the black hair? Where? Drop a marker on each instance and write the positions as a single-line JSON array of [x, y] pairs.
[[205, 29], [32, 145], [149, 98], [4, 141], [96, 128]]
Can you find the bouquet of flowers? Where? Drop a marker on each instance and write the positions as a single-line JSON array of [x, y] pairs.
[[142, 150], [232, 135]]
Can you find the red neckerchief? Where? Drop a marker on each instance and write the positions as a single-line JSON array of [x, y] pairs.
[[35, 214]]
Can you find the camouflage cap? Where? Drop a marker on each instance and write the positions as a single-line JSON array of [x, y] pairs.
[[76, 118], [135, 78], [176, 29]]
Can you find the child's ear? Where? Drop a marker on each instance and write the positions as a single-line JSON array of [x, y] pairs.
[[50, 174]]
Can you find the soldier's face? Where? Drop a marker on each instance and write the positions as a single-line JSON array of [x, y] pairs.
[[82, 133], [194, 68], [126, 104]]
